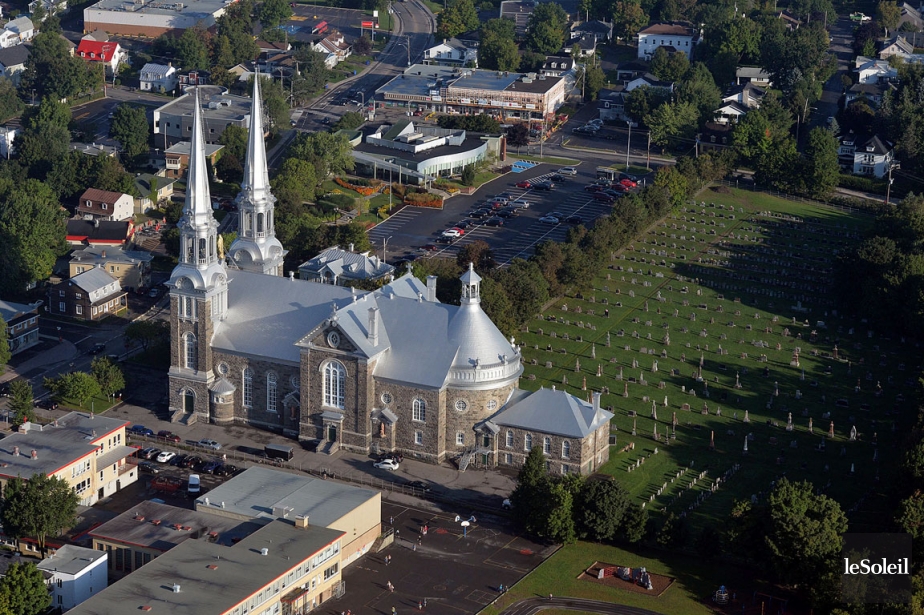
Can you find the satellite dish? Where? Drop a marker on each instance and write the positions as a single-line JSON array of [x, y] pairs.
[[465, 524]]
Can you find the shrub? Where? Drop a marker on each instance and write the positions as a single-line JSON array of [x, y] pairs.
[[468, 175], [364, 187], [423, 199], [866, 184]]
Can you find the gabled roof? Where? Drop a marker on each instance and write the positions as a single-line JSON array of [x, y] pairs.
[[97, 35], [586, 41], [19, 25], [10, 310], [100, 196], [15, 56], [93, 280], [593, 26], [344, 263], [158, 70], [561, 63], [878, 146], [97, 231], [752, 72], [101, 51], [733, 105], [901, 42], [673, 28], [551, 411], [874, 89]]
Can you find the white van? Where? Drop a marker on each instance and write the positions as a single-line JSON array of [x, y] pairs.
[[195, 485]]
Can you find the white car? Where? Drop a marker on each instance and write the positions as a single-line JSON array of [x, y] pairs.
[[195, 484], [165, 457], [549, 220], [452, 232], [520, 204], [206, 443], [567, 171], [386, 464]]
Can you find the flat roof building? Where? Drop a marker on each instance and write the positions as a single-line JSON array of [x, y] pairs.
[[173, 121], [151, 18], [285, 566], [75, 574], [262, 493]]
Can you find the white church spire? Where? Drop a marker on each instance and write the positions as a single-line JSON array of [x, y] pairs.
[[256, 247]]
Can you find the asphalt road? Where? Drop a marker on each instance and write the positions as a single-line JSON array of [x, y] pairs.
[[406, 232], [841, 45]]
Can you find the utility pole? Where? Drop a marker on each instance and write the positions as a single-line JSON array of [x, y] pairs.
[[892, 165], [628, 145], [649, 150]]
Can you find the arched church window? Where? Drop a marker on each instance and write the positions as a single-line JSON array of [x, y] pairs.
[[334, 384], [190, 350]]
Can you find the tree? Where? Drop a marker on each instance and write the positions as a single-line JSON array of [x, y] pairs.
[[146, 332], [108, 376], [274, 12], [79, 386], [191, 49], [460, 16], [674, 532], [497, 305], [39, 507], [559, 522], [45, 137], [478, 253], [635, 523], [888, 15], [601, 507], [5, 353], [669, 67], [526, 288], [642, 101], [594, 80], [700, 90], [275, 104], [329, 153], [234, 138], [545, 30], [294, 184], [362, 46], [51, 70], [671, 121], [21, 402], [518, 135], [23, 590], [351, 120], [468, 175], [32, 233], [497, 53], [822, 169], [528, 497], [10, 103], [628, 18], [503, 28], [222, 53], [130, 128]]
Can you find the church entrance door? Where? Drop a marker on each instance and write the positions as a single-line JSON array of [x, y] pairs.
[[331, 433]]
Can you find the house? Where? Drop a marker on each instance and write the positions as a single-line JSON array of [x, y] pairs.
[[753, 75], [149, 529], [340, 267], [91, 295], [8, 136], [153, 189], [866, 156], [13, 61], [96, 233], [911, 15], [587, 43], [96, 204], [629, 70], [748, 95], [75, 574], [600, 30], [110, 54], [99, 36], [158, 77], [193, 77], [680, 35], [556, 66], [872, 93], [267, 47], [130, 267], [87, 451], [611, 104], [729, 112], [874, 71], [715, 136], [790, 22], [451, 52], [650, 81], [334, 46], [17, 32], [51, 7], [286, 566], [176, 158], [517, 11], [896, 46], [21, 320]]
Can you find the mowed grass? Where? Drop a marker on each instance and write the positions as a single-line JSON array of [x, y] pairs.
[[755, 262]]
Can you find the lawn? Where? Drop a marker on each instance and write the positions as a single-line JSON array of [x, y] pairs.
[[695, 579], [96, 405], [435, 7], [728, 289]]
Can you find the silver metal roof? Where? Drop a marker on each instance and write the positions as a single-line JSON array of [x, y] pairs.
[[93, 279], [70, 559], [552, 411]]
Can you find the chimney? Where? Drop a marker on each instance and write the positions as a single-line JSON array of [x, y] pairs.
[[104, 254], [431, 288], [374, 326], [176, 588], [351, 247], [264, 551], [16, 448], [292, 276], [301, 521], [596, 403], [34, 454]]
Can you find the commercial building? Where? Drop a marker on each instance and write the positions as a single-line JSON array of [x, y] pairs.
[[85, 450], [263, 493], [151, 18], [74, 574], [283, 567], [501, 94], [173, 121], [149, 529], [21, 320]]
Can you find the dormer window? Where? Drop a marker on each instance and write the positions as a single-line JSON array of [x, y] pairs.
[[104, 206], [89, 203]]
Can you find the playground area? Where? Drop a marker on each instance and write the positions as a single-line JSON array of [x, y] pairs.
[[637, 580]]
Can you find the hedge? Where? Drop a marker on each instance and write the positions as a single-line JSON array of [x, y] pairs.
[[865, 184]]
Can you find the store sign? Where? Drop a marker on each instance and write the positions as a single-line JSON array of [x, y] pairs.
[[497, 103], [436, 98], [367, 24], [466, 101], [530, 106]]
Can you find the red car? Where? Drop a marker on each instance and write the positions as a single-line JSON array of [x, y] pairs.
[[628, 183], [523, 184], [430, 248], [618, 187], [593, 188], [168, 436]]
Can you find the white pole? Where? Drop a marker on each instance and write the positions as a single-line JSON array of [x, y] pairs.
[[628, 145]]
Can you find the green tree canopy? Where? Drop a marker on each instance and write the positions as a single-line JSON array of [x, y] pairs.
[[32, 231], [351, 120], [146, 332], [329, 153], [498, 53], [23, 590], [700, 90], [545, 31], [595, 79], [503, 28], [274, 12], [294, 185], [10, 103], [672, 121], [79, 386], [460, 16], [21, 402], [669, 67], [52, 71], [130, 128], [628, 18], [108, 376], [45, 137], [234, 138], [821, 169], [600, 509], [39, 507]]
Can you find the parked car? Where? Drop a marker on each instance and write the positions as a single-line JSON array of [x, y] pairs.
[[179, 460], [628, 176], [593, 188], [523, 184], [165, 457], [549, 220], [480, 214], [574, 219], [453, 232], [618, 187], [430, 248], [557, 178], [195, 484], [604, 197], [226, 469], [192, 461], [628, 183], [209, 467], [544, 186], [442, 239], [495, 221], [212, 444], [47, 404], [505, 213], [464, 224], [151, 453], [419, 484], [613, 193], [567, 171], [154, 293], [386, 464], [146, 467], [168, 436], [520, 204], [97, 348]]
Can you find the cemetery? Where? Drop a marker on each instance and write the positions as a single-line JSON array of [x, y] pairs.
[[715, 340]]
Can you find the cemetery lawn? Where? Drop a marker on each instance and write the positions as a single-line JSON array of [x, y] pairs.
[[695, 579], [726, 272]]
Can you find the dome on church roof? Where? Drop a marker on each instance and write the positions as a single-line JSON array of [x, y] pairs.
[[480, 341]]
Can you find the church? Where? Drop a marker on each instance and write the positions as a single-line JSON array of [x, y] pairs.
[[342, 369]]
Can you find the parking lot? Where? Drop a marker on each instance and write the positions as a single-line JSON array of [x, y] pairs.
[[408, 231]]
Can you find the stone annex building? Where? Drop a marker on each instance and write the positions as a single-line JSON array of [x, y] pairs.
[[392, 369]]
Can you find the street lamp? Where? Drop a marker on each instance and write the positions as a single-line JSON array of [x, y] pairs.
[[384, 244], [628, 144]]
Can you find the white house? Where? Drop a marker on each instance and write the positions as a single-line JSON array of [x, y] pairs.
[[650, 81], [752, 74], [158, 77], [600, 30], [96, 204], [13, 61], [730, 112], [335, 47], [76, 574], [586, 42], [451, 52], [747, 95], [17, 32], [677, 36], [871, 92], [873, 157], [870, 70], [109, 53], [896, 46]]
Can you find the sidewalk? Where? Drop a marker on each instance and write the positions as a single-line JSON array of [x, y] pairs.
[[60, 352]]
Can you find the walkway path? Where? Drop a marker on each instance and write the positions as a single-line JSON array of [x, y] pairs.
[[530, 606]]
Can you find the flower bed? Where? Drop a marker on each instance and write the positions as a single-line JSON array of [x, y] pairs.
[[423, 199], [362, 186]]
